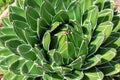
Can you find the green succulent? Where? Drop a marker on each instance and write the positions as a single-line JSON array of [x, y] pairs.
[[61, 40]]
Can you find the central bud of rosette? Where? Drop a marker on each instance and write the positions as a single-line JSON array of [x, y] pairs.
[[63, 43]]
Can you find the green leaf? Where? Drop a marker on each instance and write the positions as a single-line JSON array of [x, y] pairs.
[[14, 17], [95, 43], [91, 62], [12, 45], [7, 30], [16, 66], [26, 51], [6, 22], [59, 5], [4, 53], [32, 3], [46, 40], [6, 62], [74, 12], [114, 40], [49, 8], [87, 30], [76, 75], [30, 68], [31, 37], [85, 4], [19, 28], [105, 15], [41, 27], [17, 10], [110, 68], [63, 48], [54, 26], [31, 16], [91, 15], [107, 54], [109, 4], [47, 68], [12, 76], [101, 34], [116, 22], [62, 70], [5, 38], [62, 16], [58, 58], [93, 74], [20, 3], [77, 63], [99, 3], [51, 77], [40, 53], [106, 28], [46, 15]]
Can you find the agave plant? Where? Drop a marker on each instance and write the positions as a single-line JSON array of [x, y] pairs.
[[61, 40]]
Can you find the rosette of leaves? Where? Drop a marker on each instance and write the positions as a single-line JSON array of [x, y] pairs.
[[61, 39]]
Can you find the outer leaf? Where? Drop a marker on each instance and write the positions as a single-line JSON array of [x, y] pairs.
[[85, 4], [91, 62], [51, 77], [100, 4], [49, 8], [45, 13], [105, 28], [6, 62], [62, 16], [13, 44], [105, 15], [30, 68], [95, 43], [116, 21], [33, 4], [93, 74], [102, 33], [16, 66], [107, 54], [32, 16], [5, 30], [114, 40], [31, 37], [5, 38], [110, 68], [91, 15], [12, 76], [77, 63], [74, 12], [6, 22], [76, 75], [14, 17], [19, 28], [4, 53], [17, 10], [109, 4], [87, 30], [26, 51]]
